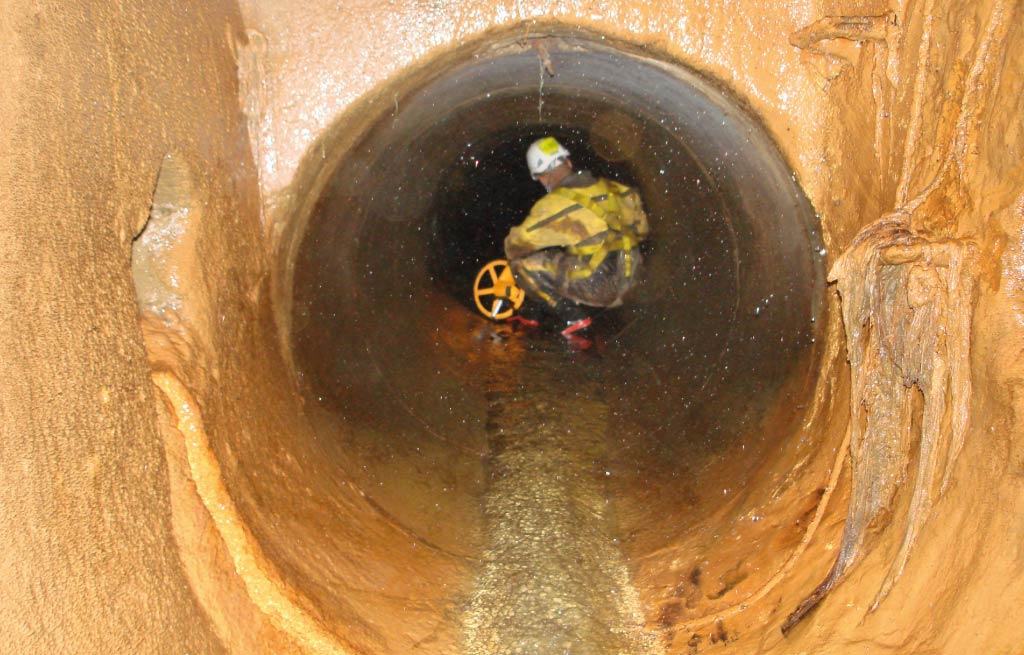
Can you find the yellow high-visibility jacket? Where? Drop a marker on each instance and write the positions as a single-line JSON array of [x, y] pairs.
[[589, 221]]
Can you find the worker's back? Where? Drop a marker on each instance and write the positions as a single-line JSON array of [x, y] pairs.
[[582, 207]]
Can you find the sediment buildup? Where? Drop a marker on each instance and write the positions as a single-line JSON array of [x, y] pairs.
[[247, 405]]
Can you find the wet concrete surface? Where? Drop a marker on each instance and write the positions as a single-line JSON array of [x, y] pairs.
[[382, 322], [577, 468]]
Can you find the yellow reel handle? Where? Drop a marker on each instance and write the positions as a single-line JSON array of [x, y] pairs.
[[495, 291]]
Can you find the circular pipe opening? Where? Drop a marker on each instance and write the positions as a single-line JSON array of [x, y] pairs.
[[720, 334]]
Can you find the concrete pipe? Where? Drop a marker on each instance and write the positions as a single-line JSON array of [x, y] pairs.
[[402, 373]]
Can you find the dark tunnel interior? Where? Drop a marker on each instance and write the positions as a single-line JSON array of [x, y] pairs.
[[396, 361]]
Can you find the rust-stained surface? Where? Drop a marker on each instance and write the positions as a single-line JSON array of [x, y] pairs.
[[94, 96], [262, 533]]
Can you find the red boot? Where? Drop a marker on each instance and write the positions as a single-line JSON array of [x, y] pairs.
[[573, 336]]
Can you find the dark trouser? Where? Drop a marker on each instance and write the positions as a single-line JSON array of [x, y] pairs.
[[552, 276]]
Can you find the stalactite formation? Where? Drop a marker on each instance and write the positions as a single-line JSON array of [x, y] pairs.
[[907, 304]]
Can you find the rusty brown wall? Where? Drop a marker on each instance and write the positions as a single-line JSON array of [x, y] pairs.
[[111, 540], [924, 123], [94, 95]]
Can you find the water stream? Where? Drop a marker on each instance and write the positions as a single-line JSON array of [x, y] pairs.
[[553, 579]]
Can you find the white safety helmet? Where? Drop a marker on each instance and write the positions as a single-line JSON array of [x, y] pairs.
[[545, 155]]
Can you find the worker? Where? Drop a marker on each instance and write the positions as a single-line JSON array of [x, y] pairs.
[[579, 246]]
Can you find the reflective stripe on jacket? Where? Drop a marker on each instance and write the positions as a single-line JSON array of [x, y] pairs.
[[588, 221]]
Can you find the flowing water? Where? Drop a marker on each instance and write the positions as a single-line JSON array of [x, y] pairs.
[[553, 579]]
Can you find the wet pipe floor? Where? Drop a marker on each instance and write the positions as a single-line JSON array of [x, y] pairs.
[[553, 579]]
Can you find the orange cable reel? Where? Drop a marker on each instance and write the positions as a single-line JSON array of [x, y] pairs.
[[495, 291]]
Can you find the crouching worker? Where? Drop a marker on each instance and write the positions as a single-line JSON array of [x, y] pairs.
[[579, 246]]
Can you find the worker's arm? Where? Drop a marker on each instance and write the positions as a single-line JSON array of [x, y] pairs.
[[550, 224]]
